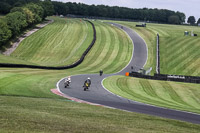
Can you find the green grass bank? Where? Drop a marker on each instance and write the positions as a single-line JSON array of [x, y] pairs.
[[27, 104], [174, 95], [179, 54]]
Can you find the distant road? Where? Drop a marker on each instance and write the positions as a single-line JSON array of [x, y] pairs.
[[99, 95]]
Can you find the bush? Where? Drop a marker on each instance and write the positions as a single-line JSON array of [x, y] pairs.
[[16, 21]]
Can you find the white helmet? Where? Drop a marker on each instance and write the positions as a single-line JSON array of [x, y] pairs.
[[88, 78]]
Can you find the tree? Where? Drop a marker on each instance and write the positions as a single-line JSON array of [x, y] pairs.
[[174, 19], [60, 8], [48, 8], [38, 12], [5, 33], [181, 16], [16, 21], [145, 14], [191, 20], [29, 15], [198, 22], [4, 7], [7, 5]]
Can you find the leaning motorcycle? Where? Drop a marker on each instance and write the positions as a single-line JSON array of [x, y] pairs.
[[86, 86], [66, 84]]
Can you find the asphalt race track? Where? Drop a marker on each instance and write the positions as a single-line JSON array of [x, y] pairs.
[[99, 95]]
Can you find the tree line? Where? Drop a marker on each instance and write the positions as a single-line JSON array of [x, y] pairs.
[[26, 15], [145, 14]]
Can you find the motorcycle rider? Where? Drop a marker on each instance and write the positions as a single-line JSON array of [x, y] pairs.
[[67, 81], [101, 72], [87, 83]]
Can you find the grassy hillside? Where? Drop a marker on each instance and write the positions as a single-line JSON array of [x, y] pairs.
[[175, 95], [59, 43], [179, 53], [25, 114], [111, 52], [112, 48], [27, 104]]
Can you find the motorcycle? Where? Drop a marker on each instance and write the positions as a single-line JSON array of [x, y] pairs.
[[86, 86], [66, 84]]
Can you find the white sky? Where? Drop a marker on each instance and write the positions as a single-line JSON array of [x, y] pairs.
[[189, 7]]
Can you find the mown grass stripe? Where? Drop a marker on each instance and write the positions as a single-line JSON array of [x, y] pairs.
[[98, 47], [188, 55], [53, 50], [115, 50], [173, 93], [181, 96], [148, 88], [104, 50], [185, 66], [181, 50]]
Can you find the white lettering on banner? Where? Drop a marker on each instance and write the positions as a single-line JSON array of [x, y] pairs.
[[176, 77]]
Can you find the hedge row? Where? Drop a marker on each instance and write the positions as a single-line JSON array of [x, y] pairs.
[[60, 67]]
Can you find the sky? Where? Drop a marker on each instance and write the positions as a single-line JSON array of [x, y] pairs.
[[189, 7]]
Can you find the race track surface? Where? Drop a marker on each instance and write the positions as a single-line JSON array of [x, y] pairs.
[[99, 95]]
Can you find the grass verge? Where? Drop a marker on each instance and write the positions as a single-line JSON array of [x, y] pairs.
[[175, 95], [59, 115]]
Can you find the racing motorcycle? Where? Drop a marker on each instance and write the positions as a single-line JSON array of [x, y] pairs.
[[66, 84], [86, 86]]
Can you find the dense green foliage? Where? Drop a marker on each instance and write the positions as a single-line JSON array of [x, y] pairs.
[[4, 7], [16, 21], [173, 19], [7, 5], [191, 20], [145, 14], [175, 95], [22, 17], [5, 32], [198, 22]]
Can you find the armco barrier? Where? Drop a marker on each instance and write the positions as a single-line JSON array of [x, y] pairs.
[[158, 55], [56, 68], [165, 77]]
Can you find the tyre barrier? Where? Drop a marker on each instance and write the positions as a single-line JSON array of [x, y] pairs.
[[8, 65], [142, 25], [166, 77]]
